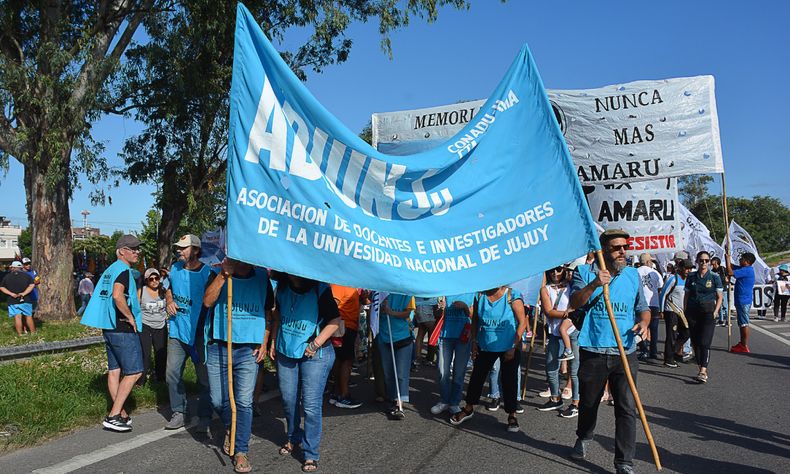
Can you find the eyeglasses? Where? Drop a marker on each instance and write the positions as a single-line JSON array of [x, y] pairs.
[[136, 249], [619, 248]]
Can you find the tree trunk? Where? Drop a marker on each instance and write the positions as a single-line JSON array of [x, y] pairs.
[[173, 203], [52, 244]]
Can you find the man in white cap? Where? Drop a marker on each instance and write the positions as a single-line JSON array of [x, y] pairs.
[[27, 268], [188, 278], [19, 286], [651, 286]]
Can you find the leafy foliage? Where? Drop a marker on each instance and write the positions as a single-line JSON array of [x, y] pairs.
[[764, 217], [692, 189]]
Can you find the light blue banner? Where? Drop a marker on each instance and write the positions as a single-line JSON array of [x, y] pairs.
[[498, 202]]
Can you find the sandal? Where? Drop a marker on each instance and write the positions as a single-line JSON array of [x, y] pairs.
[[241, 463], [287, 448], [226, 444], [702, 378], [309, 465]]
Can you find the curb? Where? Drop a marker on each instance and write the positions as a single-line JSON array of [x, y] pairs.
[[30, 350]]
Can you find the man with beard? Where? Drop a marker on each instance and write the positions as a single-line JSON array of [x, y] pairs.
[[599, 356]]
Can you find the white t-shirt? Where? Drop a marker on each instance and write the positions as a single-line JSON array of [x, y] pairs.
[[560, 297], [651, 284]]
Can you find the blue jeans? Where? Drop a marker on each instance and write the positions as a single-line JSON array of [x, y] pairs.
[[245, 371], [403, 362], [455, 353], [302, 382], [724, 309], [177, 355], [553, 350], [123, 352], [84, 304], [495, 383]]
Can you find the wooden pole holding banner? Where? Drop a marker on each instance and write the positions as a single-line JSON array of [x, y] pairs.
[[727, 247], [626, 366], [532, 340], [230, 369]]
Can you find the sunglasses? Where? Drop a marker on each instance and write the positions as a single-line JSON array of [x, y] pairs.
[[153, 278], [136, 249], [619, 248], [703, 260]]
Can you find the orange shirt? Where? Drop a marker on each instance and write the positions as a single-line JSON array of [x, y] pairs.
[[347, 300]]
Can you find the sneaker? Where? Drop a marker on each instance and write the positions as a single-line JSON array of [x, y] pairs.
[[116, 423], [333, 399], [545, 394], [571, 411], [512, 424], [579, 450], [460, 417], [688, 357], [395, 413], [701, 378], [567, 355], [519, 408], [493, 405], [551, 405], [347, 402], [671, 364], [642, 356], [566, 394], [776, 319], [127, 420], [624, 469], [439, 408], [740, 349], [176, 421]]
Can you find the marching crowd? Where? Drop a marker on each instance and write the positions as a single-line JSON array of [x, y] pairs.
[[310, 329]]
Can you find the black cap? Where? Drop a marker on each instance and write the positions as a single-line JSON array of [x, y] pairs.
[[127, 240]]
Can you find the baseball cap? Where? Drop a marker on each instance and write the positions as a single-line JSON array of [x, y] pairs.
[[681, 255], [16, 264], [127, 240], [188, 240], [784, 267], [25, 261], [686, 263], [645, 258], [151, 271]]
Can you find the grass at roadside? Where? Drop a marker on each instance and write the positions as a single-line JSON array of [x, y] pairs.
[[46, 331], [51, 395]]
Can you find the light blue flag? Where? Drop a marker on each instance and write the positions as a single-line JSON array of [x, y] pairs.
[[498, 202]]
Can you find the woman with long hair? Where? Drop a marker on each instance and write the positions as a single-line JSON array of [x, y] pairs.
[[154, 333]]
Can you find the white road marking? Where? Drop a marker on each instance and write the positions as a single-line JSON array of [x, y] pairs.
[[770, 334], [773, 326], [82, 460], [786, 334]]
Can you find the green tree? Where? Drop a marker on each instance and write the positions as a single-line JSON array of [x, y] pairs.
[[178, 83], [55, 62], [764, 217], [693, 189], [25, 242]]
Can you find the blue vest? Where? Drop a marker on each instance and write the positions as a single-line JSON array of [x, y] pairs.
[[597, 330], [187, 287], [100, 312], [299, 319], [400, 327], [249, 309], [496, 326], [455, 319]]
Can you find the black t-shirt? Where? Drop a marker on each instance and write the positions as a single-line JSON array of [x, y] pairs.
[[17, 282], [121, 323]]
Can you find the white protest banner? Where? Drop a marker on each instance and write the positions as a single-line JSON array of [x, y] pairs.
[[619, 133], [742, 242], [647, 210], [696, 236], [763, 296], [783, 287]]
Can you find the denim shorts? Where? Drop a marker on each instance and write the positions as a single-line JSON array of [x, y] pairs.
[[25, 309], [742, 310], [124, 352]]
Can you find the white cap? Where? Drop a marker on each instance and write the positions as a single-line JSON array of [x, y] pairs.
[[16, 264], [25, 261]]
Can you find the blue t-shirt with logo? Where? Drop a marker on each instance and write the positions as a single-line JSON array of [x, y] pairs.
[[496, 326], [400, 327], [455, 318]]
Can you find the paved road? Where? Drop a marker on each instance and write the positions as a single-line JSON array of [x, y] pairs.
[[738, 423]]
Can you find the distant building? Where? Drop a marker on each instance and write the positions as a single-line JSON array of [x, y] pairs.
[[9, 241], [82, 233]]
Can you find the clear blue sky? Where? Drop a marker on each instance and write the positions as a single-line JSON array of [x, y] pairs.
[[576, 44]]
